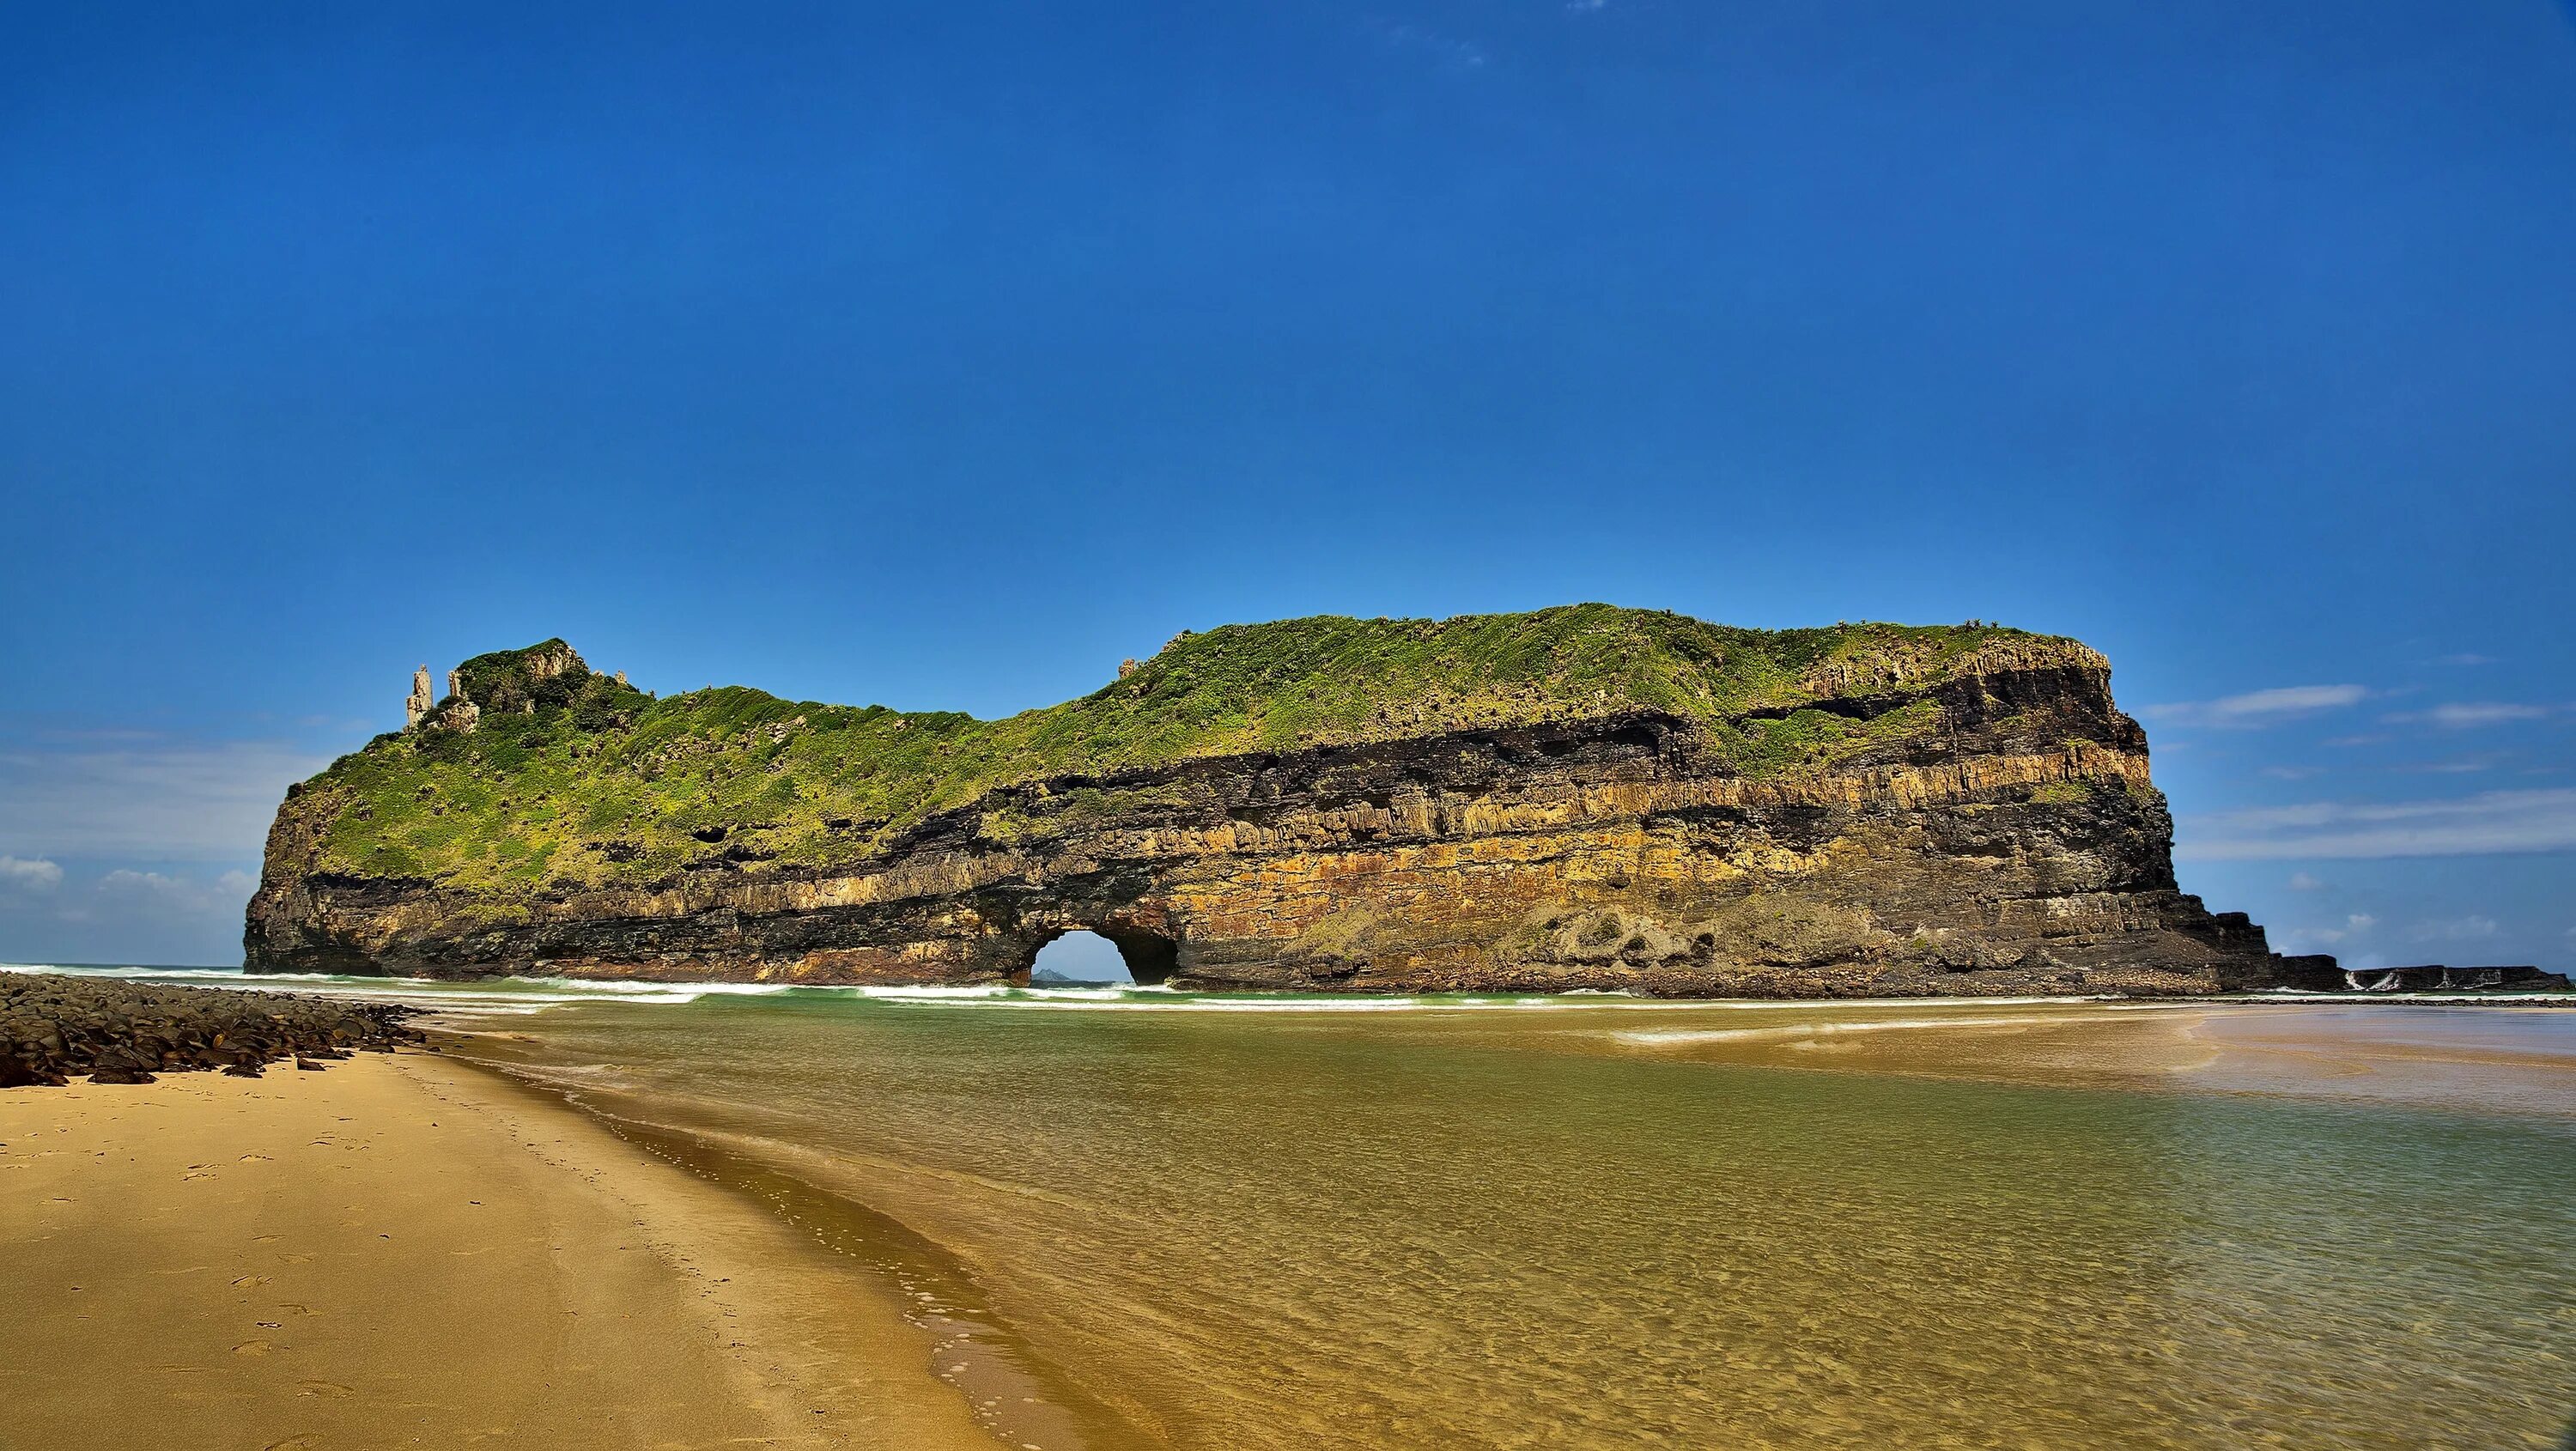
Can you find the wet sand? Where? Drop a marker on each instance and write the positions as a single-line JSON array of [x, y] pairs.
[[2469, 1058], [408, 1251]]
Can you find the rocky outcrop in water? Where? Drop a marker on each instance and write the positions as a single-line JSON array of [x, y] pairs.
[[1589, 798], [2434, 977]]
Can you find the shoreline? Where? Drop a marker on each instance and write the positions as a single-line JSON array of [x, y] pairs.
[[1021, 1399], [408, 1249], [434, 990]]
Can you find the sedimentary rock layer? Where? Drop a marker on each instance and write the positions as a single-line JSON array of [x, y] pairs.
[[1588, 798]]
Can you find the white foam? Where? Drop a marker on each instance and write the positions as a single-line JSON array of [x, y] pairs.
[[521, 995], [624, 989], [1668, 1038], [1236, 1005], [2557, 996]]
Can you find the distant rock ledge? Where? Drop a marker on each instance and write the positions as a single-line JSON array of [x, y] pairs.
[[1585, 797]]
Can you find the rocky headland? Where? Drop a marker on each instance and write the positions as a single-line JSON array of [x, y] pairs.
[[1585, 797]]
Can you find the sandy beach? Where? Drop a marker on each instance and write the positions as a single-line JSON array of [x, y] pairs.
[[408, 1251]]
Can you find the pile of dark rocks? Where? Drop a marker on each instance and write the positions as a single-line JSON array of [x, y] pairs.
[[53, 1026]]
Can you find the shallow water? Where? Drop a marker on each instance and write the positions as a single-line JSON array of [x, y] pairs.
[[1141, 1219]]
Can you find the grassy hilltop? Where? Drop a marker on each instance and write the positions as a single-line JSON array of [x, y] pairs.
[[575, 778]]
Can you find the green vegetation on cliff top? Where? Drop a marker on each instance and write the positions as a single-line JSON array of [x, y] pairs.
[[578, 779]]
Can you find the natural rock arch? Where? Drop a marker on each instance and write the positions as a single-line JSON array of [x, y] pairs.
[[1151, 957]]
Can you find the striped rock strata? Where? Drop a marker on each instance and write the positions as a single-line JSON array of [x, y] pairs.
[[2011, 843]]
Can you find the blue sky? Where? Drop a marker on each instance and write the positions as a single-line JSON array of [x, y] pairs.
[[942, 356]]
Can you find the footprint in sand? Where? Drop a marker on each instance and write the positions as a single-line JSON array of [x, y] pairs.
[[250, 1282], [257, 1159], [330, 1388], [253, 1347]]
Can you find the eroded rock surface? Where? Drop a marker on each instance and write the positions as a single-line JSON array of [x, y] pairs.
[[1954, 811]]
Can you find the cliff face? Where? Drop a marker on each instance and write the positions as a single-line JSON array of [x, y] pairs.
[[1585, 798]]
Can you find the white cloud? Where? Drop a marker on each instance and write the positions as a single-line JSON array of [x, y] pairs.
[[2293, 773], [2490, 822], [2467, 714], [38, 875], [2458, 766], [2472, 928], [2303, 882], [127, 882], [130, 914], [129, 893], [1448, 51], [2287, 700], [2258, 707], [146, 801], [2356, 926]]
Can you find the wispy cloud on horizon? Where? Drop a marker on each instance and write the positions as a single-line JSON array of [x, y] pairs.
[[127, 914], [2258, 707], [2475, 927], [2488, 823], [2355, 925], [2467, 714], [163, 801]]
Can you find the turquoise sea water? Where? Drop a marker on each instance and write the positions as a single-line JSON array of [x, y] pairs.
[[1149, 1219]]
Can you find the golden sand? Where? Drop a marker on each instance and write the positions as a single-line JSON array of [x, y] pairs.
[[405, 1251]]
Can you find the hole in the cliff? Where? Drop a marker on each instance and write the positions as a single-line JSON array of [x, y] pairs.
[[1080, 957], [1110, 957]]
